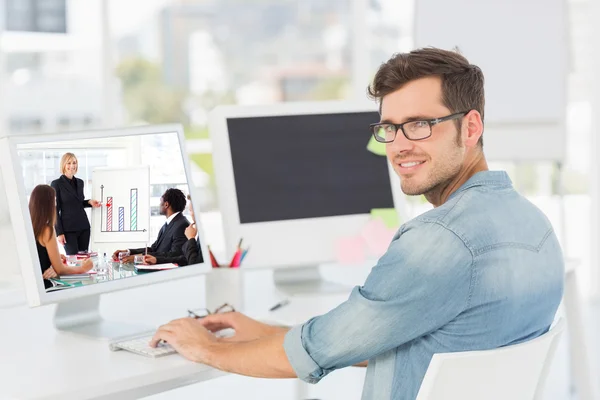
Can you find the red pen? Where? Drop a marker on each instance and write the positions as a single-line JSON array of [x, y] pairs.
[[213, 260], [235, 261], [237, 256]]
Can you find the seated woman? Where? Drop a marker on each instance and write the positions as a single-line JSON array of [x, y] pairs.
[[42, 208]]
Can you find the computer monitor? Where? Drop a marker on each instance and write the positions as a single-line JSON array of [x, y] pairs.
[[293, 179], [10, 273], [127, 171]]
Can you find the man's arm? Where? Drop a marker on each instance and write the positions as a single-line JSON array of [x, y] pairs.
[[140, 250], [419, 285], [256, 349], [191, 252], [260, 358]]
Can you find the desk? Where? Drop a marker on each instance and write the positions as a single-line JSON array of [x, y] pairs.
[[112, 270], [39, 362]]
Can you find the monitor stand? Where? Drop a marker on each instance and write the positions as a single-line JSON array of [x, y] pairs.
[[305, 280], [82, 316]]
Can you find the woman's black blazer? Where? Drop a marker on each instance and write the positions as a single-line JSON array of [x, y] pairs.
[[70, 203]]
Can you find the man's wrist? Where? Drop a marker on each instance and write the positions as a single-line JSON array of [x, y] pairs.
[[214, 353]]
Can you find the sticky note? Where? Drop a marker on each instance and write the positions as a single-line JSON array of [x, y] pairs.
[[350, 250], [376, 147], [389, 216], [377, 237]]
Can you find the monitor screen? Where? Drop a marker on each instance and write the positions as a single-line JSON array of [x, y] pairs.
[[110, 208], [306, 166]]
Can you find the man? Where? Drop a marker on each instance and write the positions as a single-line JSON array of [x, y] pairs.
[[482, 270], [171, 236], [191, 248]]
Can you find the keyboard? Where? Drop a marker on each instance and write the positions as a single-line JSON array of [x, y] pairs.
[[139, 344]]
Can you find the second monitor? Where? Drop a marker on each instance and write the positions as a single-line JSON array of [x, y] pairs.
[[293, 179]]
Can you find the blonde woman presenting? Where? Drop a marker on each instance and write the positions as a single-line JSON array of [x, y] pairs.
[[72, 224]]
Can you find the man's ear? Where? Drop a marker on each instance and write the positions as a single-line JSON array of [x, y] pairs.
[[472, 128]]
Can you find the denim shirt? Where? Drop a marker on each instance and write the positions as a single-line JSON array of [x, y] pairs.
[[481, 271]]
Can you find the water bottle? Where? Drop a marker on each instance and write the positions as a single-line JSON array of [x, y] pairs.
[[103, 265]]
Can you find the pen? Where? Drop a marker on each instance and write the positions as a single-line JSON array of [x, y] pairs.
[[244, 254], [235, 261], [213, 260], [279, 305]]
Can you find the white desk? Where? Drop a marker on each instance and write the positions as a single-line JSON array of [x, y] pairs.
[[39, 362]]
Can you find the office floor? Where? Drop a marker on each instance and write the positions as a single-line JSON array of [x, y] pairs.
[[347, 384]]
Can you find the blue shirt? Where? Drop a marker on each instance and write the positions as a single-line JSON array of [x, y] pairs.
[[481, 271]]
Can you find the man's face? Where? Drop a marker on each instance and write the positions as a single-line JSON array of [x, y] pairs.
[[164, 206], [440, 157]]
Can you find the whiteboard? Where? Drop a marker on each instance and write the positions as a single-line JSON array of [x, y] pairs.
[[125, 212], [522, 48]]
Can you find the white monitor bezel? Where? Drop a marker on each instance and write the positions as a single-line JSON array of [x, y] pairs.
[[227, 195], [21, 220]]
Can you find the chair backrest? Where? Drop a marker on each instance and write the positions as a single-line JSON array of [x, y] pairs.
[[515, 372]]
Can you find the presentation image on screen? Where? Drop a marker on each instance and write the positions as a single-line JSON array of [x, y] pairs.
[[108, 208], [307, 166]]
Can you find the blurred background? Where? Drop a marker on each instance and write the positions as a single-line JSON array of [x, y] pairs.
[[84, 64]]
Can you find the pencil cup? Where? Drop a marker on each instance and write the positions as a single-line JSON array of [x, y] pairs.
[[225, 285]]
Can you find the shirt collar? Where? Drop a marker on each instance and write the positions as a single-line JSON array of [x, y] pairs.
[[485, 178], [171, 217]]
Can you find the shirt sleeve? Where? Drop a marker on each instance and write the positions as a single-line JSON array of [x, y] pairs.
[[421, 283]]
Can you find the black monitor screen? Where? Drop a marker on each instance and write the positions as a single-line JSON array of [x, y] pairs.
[[306, 166]]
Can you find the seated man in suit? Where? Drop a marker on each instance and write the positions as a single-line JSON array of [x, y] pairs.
[[171, 237], [191, 248]]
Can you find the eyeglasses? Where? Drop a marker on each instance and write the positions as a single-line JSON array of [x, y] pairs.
[[412, 130], [203, 312]]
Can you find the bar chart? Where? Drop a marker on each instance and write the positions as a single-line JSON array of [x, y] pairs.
[[125, 213], [122, 225]]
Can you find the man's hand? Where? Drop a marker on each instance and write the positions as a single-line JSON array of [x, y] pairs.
[[115, 255], [245, 328], [61, 239], [188, 337], [263, 357], [148, 259], [49, 273], [128, 259], [94, 203], [191, 231]]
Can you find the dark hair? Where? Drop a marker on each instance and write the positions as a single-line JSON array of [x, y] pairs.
[[175, 198], [42, 208], [462, 82]]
